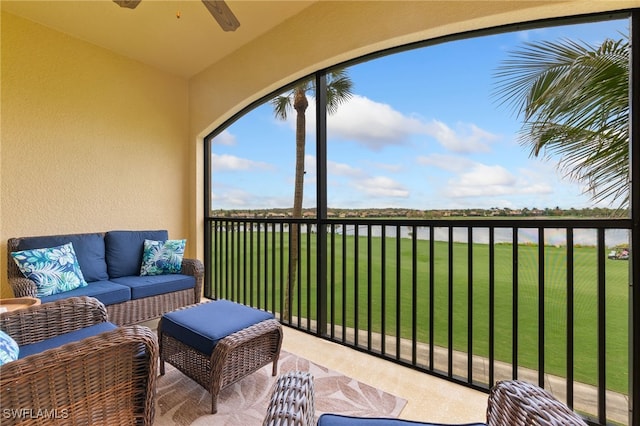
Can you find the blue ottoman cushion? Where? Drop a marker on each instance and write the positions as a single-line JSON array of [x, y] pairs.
[[339, 420], [73, 336], [203, 326]]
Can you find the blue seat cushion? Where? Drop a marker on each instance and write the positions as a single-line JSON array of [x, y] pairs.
[[153, 285], [89, 248], [108, 292], [339, 420], [62, 339], [124, 250], [203, 326]]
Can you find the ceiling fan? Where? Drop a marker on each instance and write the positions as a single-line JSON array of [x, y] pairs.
[[217, 8]]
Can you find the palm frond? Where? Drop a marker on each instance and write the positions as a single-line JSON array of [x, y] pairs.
[[573, 98]]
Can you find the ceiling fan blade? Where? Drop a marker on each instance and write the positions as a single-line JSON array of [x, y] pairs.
[[131, 4], [221, 12]]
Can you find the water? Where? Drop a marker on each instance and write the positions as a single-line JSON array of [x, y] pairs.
[[553, 237]]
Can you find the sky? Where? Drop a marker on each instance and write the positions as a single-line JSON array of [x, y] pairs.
[[423, 130]]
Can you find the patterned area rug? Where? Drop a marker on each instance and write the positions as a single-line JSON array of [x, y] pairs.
[[181, 401]]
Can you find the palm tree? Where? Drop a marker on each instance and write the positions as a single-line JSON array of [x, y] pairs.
[[574, 98], [338, 91]]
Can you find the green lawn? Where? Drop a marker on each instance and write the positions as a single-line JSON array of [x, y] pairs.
[[555, 306]]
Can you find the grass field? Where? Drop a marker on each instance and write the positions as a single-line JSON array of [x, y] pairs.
[[389, 276]]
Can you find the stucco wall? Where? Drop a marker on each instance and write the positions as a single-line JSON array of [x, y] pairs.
[[91, 141]]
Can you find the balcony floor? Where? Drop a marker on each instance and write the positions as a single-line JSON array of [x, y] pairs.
[[428, 398]]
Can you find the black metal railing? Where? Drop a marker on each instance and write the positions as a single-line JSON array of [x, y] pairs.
[[473, 301]]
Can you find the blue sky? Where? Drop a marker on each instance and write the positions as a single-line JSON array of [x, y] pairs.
[[422, 131]]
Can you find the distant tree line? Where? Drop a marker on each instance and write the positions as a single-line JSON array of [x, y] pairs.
[[590, 212]]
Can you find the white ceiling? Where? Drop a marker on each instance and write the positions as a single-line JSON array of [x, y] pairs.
[[152, 33]]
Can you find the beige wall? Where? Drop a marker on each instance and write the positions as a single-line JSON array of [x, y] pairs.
[[91, 141]]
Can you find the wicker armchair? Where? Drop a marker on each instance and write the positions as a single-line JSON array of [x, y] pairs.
[[108, 378], [511, 403]]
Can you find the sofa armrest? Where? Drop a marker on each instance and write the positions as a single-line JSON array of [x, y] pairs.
[[518, 403], [195, 268], [292, 401], [104, 379], [22, 287], [40, 322]]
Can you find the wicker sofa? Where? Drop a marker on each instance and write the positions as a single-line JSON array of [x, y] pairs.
[[102, 379], [110, 263], [511, 403]]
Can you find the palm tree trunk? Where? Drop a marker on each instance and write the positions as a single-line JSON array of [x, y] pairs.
[[300, 104]]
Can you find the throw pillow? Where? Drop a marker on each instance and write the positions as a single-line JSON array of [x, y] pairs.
[[54, 270], [162, 257], [8, 348]]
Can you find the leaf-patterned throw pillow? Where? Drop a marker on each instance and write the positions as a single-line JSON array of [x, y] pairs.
[[54, 270], [162, 257], [9, 349]]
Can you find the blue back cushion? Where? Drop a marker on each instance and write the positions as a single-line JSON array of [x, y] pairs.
[[89, 248], [124, 250]]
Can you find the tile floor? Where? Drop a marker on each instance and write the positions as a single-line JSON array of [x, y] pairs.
[[428, 398]]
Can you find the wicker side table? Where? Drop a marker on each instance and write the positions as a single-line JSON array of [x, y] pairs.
[[232, 358]]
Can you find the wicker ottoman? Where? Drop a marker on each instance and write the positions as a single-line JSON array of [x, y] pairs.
[[218, 343]]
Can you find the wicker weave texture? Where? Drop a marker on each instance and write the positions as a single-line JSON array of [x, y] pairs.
[[511, 403], [107, 379], [125, 313], [519, 403], [292, 401], [40, 322], [233, 358]]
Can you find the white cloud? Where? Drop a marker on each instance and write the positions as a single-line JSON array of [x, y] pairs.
[[381, 186], [392, 168], [225, 138], [224, 196], [492, 181], [466, 138], [226, 162], [476, 179], [449, 163], [483, 175], [372, 124], [341, 169], [376, 125]]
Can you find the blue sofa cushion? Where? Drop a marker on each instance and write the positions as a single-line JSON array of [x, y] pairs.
[[107, 292], [124, 250], [89, 249], [153, 285], [74, 336], [339, 420], [203, 326]]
